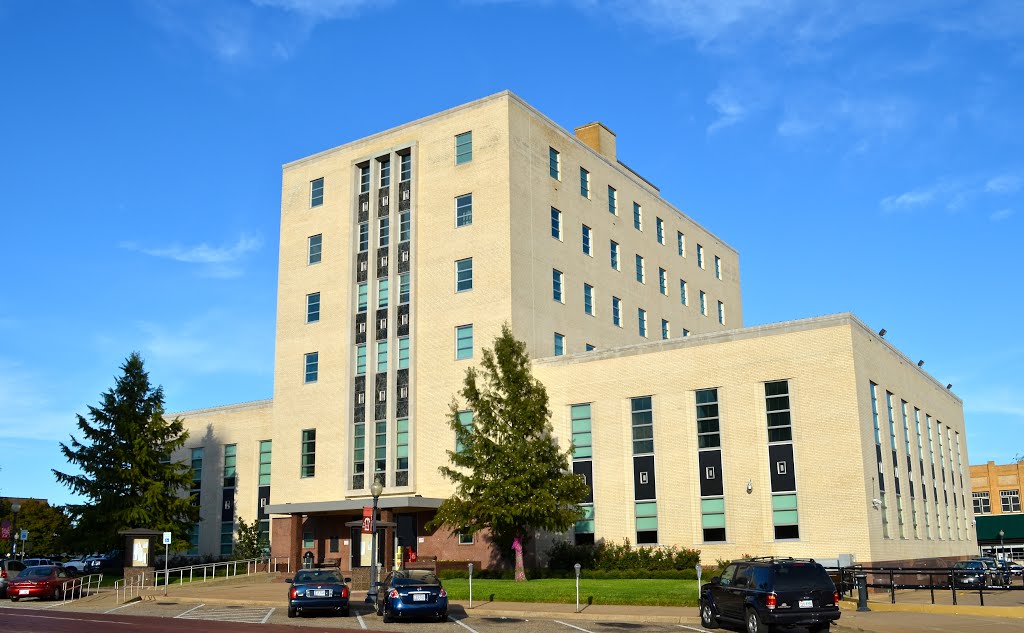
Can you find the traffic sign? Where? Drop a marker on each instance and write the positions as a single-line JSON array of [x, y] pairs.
[[167, 538]]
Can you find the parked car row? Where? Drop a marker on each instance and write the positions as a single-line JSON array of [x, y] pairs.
[[985, 571], [402, 594]]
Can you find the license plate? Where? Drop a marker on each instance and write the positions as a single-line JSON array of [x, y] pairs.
[[321, 593], [807, 604], [419, 597], [23, 592]]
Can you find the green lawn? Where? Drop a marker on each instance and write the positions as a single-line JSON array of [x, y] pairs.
[[669, 593]]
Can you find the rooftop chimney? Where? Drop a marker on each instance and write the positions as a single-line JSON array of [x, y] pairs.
[[599, 138]]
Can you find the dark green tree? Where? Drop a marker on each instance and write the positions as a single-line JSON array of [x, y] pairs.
[[47, 526], [250, 543], [510, 475], [127, 476]]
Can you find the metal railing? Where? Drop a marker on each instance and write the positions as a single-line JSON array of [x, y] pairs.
[[78, 588], [210, 571], [129, 588], [891, 579]]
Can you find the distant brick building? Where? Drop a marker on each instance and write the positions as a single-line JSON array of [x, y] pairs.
[[995, 492]]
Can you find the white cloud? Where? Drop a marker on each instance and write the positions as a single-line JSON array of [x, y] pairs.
[[1009, 183], [211, 342], [28, 406], [1000, 215], [215, 261], [908, 200], [958, 195], [322, 9]]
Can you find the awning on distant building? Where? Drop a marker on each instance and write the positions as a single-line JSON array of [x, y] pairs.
[[355, 505], [988, 527]]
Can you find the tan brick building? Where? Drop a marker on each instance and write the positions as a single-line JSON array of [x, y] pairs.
[[995, 491], [402, 254]]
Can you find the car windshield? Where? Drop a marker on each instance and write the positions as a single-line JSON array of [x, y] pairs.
[[317, 576], [36, 572], [801, 576], [414, 577]]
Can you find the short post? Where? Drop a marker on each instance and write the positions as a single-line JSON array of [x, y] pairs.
[[577, 568], [892, 586], [471, 585], [862, 592], [698, 569], [167, 544]]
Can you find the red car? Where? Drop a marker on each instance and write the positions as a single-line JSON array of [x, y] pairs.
[[41, 581]]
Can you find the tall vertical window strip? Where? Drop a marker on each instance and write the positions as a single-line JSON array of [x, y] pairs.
[[382, 356], [464, 210], [362, 291], [556, 223], [895, 464], [785, 517], [364, 178], [403, 352], [463, 148], [383, 292], [402, 452], [613, 202], [385, 173], [641, 322], [614, 251], [878, 458], [665, 333], [405, 226], [466, 421], [616, 311], [712, 503], [313, 307], [721, 313], [554, 163], [315, 249], [316, 192], [588, 299], [645, 506], [559, 344], [556, 285], [405, 167], [361, 360], [464, 274], [358, 456], [364, 237], [403, 289], [910, 468], [380, 450], [308, 464], [584, 183], [587, 241], [266, 450], [464, 342], [312, 366], [776, 401], [197, 471], [638, 217], [582, 440], [384, 232], [641, 274]]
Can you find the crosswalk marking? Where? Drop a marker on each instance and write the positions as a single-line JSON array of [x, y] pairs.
[[248, 615]]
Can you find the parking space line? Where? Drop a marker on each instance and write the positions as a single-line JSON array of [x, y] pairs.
[[359, 616], [573, 626], [267, 617], [465, 626], [124, 606], [198, 606], [689, 628]]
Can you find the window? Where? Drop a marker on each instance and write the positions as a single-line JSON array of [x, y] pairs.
[[361, 292], [613, 203], [464, 275], [700, 256], [382, 356], [982, 504], [641, 275], [642, 419], [708, 431], [663, 281], [641, 321], [712, 518], [665, 330], [681, 243], [463, 342], [383, 290], [361, 360], [308, 540], [230, 461], [465, 539], [556, 223], [403, 352], [405, 166], [683, 297], [384, 235], [364, 237], [660, 227], [464, 210], [466, 421], [587, 239], [227, 540], [559, 344], [313, 307], [584, 183], [615, 254], [312, 362], [266, 448], [405, 227], [776, 403], [308, 468], [784, 516], [316, 192], [364, 178], [1010, 500], [721, 313], [385, 173], [703, 303], [556, 285], [718, 267], [554, 163], [590, 347], [588, 299], [403, 288], [616, 312], [463, 148], [638, 217], [686, 332], [380, 450], [402, 452], [315, 249]]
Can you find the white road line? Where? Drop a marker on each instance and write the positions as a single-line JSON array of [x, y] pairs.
[[359, 616], [689, 628], [50, 617], [124, 606], [267, 617], [465, 626], [573, 626], [198, 606]]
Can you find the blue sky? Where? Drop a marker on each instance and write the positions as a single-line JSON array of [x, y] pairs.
[[862, 157]]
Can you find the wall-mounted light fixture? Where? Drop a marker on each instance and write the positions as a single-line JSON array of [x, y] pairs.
[[877, 503], [920, 362], [949, 386], [750, 486], [882, 332]]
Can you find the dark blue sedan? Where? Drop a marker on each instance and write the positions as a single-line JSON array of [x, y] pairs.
[[318, 590], [412, 593]]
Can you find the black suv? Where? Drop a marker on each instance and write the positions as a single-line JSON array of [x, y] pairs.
[[767, 591]]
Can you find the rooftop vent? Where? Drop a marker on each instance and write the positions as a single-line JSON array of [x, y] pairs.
[[599, 138]]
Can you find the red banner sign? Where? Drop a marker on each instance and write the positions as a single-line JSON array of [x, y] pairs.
[[367, 520]]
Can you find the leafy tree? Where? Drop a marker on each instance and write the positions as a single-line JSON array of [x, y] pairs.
[[127, 476], [510, 476], [250, 543], [47, 526]]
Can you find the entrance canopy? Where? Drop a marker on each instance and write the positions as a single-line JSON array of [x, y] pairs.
[[353, 505], [1012, 526]]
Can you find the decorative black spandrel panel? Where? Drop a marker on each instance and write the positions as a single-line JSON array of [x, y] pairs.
[[643, 477], [402, 408], [403, 320], [359, 410], [360, 383], [227, 509], [402, 478], [382, 263], [710, 464], [383, 201], [780, 465], [380, 405], [404, 195], [402, 393], [403, 257], [402, 378], [364, 207], [362, 269], [381, 324], [360, 328], [357, 483], [263, 498]]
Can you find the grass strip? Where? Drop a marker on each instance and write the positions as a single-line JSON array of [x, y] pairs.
[[644, 592]]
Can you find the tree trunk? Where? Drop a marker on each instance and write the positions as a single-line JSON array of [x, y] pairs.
[[517, 546]]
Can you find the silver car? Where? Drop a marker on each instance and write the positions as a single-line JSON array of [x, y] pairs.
[[9, 570]]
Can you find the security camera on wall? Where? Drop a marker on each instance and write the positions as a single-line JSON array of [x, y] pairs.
[[877, 503]]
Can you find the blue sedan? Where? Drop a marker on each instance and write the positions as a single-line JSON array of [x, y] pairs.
[[318, 590], [412, 593]]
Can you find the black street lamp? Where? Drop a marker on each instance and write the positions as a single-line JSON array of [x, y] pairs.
[[375, 489], [15, 508], [1002, 551]]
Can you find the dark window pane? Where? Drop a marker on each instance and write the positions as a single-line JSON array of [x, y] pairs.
[[787, 531], [647, 538], [776, 388], [777, 404], [714, 535], [782, 434]]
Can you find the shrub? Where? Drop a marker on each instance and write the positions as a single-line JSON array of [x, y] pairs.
[[610, 556]]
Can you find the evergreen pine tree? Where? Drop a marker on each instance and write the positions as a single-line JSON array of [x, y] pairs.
[[127, 476], [509, 474]]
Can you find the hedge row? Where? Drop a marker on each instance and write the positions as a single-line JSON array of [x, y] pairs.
[[614, 557], [593, 574]]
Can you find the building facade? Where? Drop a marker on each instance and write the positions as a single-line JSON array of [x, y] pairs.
[[401, 256], [995, 491]]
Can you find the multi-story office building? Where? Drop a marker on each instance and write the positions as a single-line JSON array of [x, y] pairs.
[[401, 256], [995, 491]]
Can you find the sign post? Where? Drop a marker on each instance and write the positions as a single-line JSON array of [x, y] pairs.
[[471, 585], [167, 543], [577, 568], [24, 537]]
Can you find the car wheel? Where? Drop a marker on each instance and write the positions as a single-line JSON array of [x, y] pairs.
[[344, 612], [14, 598], [386, 614], [754, 622], [291, 612], [380, 608], [820, 628], [707, 617], [441, 617]]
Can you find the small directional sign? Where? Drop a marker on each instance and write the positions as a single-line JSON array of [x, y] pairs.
[[167, 538]]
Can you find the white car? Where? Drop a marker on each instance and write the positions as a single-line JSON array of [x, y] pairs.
[[78, 564]]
